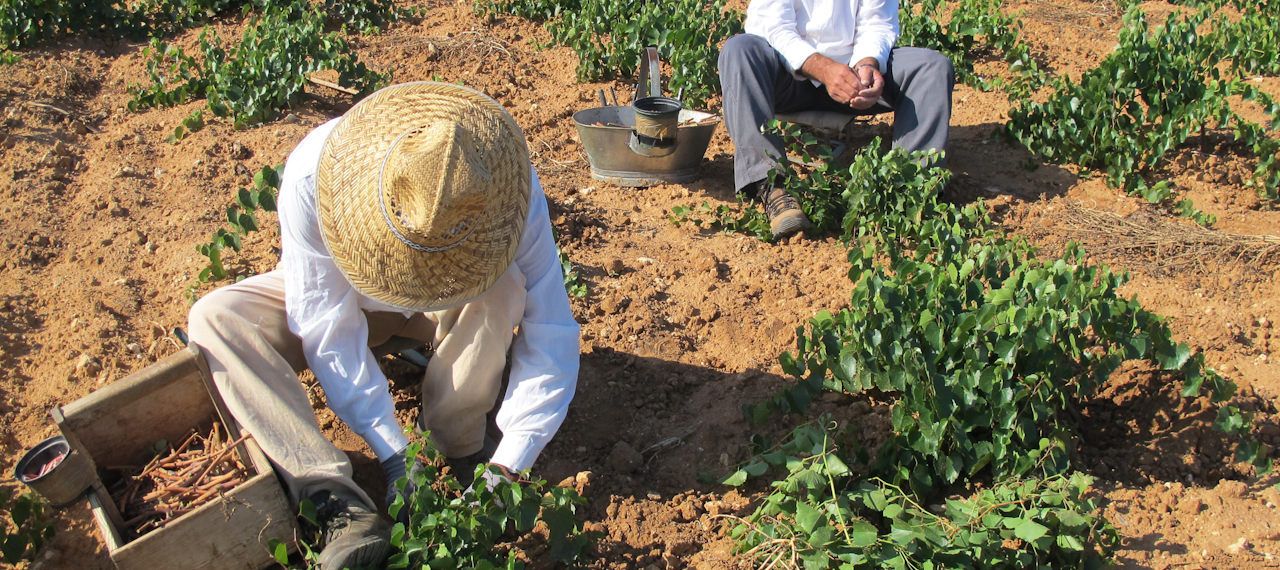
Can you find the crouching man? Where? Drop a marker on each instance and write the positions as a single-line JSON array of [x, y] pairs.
[[825, 55], [415, 214]]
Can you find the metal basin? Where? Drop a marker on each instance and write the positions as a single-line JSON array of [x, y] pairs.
[[605, 133]]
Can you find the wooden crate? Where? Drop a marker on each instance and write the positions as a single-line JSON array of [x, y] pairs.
[[117, 426]]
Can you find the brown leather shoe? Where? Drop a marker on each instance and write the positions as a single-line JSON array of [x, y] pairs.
[[785, 215]]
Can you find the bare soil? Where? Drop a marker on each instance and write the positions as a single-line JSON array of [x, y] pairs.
[[681, 327]]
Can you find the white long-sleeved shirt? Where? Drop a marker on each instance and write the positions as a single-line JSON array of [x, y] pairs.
[[325, 311], [844, 30]]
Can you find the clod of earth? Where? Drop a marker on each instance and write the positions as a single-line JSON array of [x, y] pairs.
[[625, 458]]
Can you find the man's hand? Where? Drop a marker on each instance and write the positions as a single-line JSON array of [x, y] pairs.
[[871, 84], [841, 82], [394, 469], [491, 479], [492, 475]]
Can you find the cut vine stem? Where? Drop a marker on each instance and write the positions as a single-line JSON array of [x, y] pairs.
[[332, 85]]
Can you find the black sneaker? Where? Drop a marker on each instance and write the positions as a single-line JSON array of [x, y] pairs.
[[785, 215], [352, 535]]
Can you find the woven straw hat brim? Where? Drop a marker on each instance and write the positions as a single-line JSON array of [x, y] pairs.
[[381, 265]]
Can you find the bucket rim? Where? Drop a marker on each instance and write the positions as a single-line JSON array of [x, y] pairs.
[[55, 442], [662, 106]]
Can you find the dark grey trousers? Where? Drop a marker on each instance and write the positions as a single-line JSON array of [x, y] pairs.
[[757, 84]]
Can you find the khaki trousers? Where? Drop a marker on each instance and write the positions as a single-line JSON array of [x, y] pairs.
[[253, 357]]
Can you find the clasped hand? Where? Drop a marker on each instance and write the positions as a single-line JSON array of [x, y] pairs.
[[858, 87]]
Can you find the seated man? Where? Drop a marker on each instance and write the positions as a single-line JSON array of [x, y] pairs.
[[414, 214], [830, 55]]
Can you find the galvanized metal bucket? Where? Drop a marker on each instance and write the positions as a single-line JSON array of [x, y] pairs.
[[652, 141], [606, 134]]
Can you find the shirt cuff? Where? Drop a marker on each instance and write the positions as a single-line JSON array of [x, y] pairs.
[[795, 52], [862, 52], [517, 452], [386, 439]]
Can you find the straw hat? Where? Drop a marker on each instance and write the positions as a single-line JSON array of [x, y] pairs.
[[422, 190]]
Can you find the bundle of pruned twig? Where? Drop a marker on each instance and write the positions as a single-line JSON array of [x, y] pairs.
[[178, 481], [1165, 244]]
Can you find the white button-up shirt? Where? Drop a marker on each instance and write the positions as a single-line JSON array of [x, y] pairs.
[[844, 30], [325, 311]]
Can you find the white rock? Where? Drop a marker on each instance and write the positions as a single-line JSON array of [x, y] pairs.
[[1239, 546], [87, 365]]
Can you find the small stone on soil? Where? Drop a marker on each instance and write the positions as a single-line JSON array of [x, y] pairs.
[[239, 151], [1239, 546], [616, 267], [125, 171], [87, 366]]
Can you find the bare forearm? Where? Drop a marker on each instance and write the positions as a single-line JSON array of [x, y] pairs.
[[817, 67]]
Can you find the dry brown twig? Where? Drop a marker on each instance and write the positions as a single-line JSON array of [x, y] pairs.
[[1167, 245], [556, 165], [480, 43], [475, 41]]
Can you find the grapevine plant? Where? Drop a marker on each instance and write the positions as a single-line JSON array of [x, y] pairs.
[[539, 10], [251, 81], [364, 16], [24, 526], [455, 527], [987, 351], [609, 36], [26, 23], [1157, 89], [256, 79], [823, 514], [744, 219], [241, 221], [976, 30], [574, 285], [452, 526]]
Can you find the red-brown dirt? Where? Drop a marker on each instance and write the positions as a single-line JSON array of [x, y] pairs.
[[681, 326]]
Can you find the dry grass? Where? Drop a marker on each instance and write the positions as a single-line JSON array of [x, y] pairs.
[[1167, 245]]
